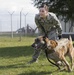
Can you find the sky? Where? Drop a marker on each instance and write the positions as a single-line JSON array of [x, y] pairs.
[[17, 5], [9, 6]]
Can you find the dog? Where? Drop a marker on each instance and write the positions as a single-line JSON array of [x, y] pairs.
[[57, 50], [62, 48], [39, 43]]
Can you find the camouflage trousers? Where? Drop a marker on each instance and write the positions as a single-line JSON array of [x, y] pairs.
[[52, 35]]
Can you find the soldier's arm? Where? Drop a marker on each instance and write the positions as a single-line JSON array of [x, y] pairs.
[[57, 24], [37, 23]]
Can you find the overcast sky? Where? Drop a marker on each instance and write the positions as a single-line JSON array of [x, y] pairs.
[[16, 5]]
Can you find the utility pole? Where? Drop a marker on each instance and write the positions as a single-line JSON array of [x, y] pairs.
[[11, 23]]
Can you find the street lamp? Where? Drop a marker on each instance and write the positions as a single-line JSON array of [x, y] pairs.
[[25, 21], [11, 23]]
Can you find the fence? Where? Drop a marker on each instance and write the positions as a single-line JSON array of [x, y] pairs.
[[12, 23]]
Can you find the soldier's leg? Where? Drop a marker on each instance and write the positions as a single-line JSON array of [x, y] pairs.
[[35, 56]]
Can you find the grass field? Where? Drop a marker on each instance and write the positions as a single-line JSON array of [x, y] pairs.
[[14, 56]]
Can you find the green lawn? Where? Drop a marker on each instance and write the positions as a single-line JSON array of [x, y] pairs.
[[14, 56]]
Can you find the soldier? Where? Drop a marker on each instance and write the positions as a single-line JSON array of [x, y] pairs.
[[51, 25]]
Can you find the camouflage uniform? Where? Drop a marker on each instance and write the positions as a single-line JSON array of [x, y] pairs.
[[51, 25]]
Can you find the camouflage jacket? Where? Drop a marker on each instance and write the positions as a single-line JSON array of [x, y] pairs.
[[50, 23]]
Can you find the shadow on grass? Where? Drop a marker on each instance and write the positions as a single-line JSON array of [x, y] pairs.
[[40, 73], [54, 72], [16, 51], [20, 65], [36, 73]]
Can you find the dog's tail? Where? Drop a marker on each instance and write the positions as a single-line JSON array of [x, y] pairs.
[[70, 38]]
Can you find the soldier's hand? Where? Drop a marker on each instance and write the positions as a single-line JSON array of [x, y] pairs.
[[60, 36]]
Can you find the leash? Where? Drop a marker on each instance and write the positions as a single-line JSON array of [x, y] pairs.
[[43, 29], [45, 48], [50, 60]]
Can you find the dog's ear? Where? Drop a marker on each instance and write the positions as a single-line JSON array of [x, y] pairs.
[[53, 43]]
